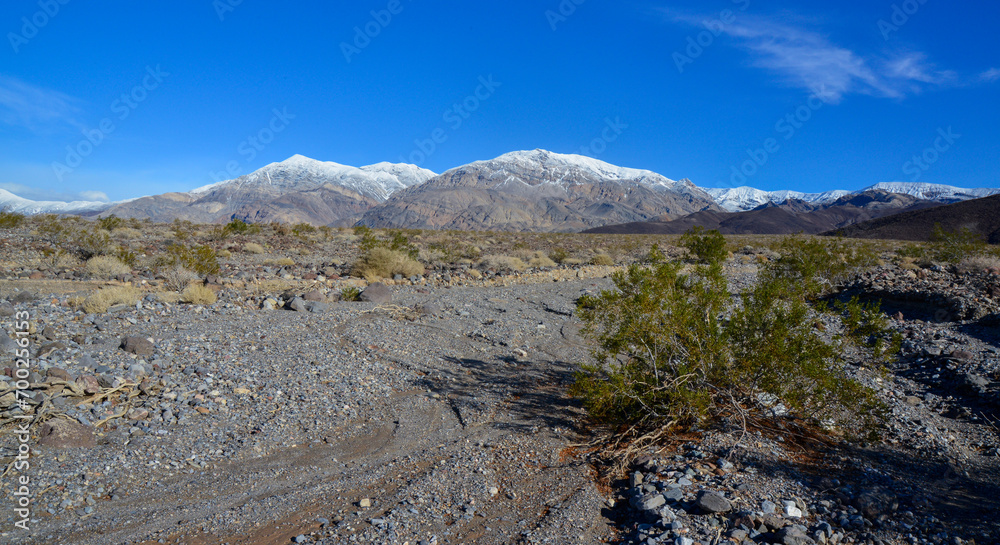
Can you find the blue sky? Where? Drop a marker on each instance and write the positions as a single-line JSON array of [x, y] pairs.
[[122, 99]]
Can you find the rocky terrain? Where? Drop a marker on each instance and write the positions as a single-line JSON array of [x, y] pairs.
[[435, 410], [538, 191], [978, 216], [297, 190]]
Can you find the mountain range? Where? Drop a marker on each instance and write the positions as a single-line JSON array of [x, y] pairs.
[[533, 190]]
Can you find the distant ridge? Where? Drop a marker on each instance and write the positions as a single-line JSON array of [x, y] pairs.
[[981, 216]]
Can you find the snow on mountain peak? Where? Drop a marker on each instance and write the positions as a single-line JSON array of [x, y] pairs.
[[934, 192], [741, 199], [21, 205], [302, 173]]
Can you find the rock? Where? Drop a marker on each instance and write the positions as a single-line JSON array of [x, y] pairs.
[[139, 346], [316, 296], [650, 502], [297, 304], [962, 355], [316, 306], [768, 507], [269, 304], [674, 495], [57, 373], [794, 535], [377, 293], [89, 383], [62, 433], [682, 540], [791, 510], [635, 479], [7, 344], [365, 503], [301, 538], [428, 309], [712, 502], [6, 309]]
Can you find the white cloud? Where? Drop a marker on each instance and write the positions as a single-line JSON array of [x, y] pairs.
[[42, 194], [990, 75], [810, 60], [35, 108]]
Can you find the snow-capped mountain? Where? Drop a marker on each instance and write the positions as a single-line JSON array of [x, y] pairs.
[[538, 191], [741, 199], [21, 205], [934, 192], [300, 173]]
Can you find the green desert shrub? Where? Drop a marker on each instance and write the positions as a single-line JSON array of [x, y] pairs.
[[9, 219], [954, 246], [201, 259], [350, 293], [705, 246], [110, 223], [106, 267], [866, 324], [816, 267], [674, 350], [382, 262]]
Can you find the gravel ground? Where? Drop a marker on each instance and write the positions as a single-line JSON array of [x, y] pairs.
[[441, 416]]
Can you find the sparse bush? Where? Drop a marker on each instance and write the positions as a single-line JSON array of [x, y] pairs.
[[503, 263], [705, 246], [177, 278], [183, 229], [90, 243], [979, 263], [253, 248], [350, 293], [603, 260], [281, 262], [201, 259], [559, 255], [953, 247], [540, 260], [385, 263], [9, 219], [816, 267], [303, 230], [100, 301], [666, 358], [198, 294], [106, 267], [168, 297], [867, 325], [240, 227], [110, 223]]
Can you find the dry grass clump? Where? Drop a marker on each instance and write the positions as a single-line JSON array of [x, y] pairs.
[[168, 297], [198, 294], [979, 263], [283, 262], [385, 263], [101, 300], [253, 248], [503, 263], [601, 258], [106, 267], [126, 233], [539, 259]]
